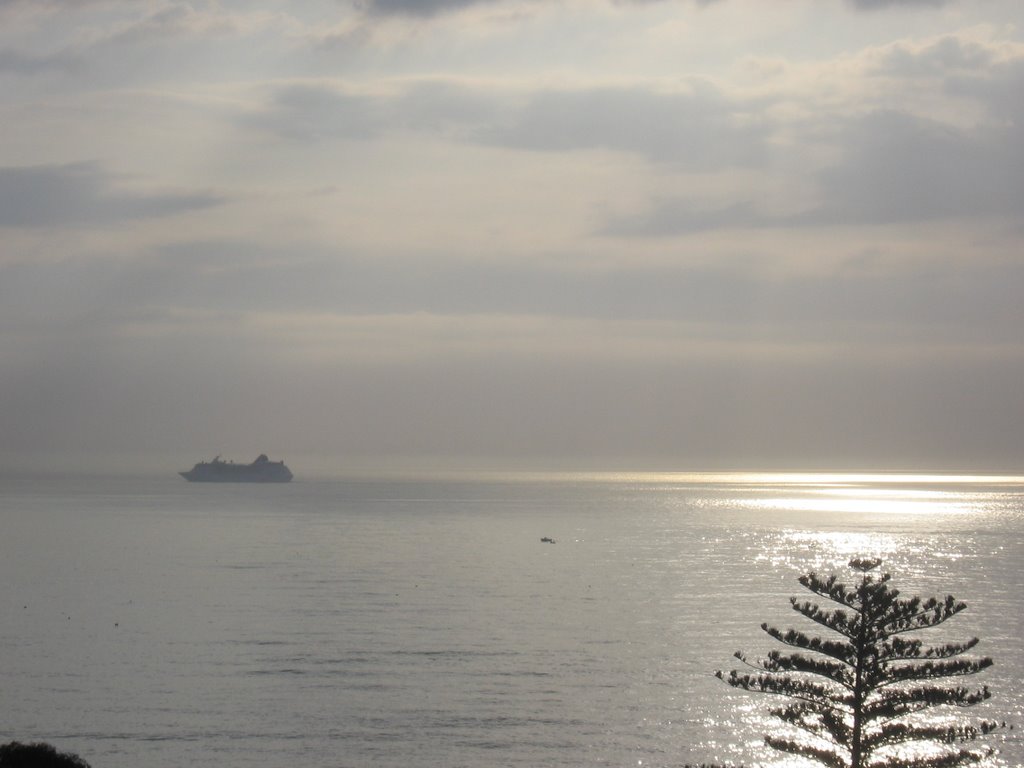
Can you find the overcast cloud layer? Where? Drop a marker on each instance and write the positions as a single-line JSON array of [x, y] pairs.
[[504, 233]]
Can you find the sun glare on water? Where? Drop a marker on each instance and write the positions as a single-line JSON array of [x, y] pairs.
[[871, 501], [866, 494]]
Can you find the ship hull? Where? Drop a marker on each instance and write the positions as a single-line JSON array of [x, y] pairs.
[[215, 478]]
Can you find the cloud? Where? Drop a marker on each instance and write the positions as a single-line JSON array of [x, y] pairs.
[[905, 165], [672, 217], [81, 194], [998, 88], [56, 3], [895, 167], [903, 168], [429, 8], [91, 45], [305, 112], [874, 5], [20, 63], [172, 21], [947, 141], [862, 298], [697, 129], [317, 111], [420, 8], [943, 57], [48, 7]]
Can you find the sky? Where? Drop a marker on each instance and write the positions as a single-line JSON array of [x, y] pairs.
[[560, 234]]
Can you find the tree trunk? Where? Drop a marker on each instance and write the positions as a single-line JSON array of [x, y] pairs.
[[856, 758]]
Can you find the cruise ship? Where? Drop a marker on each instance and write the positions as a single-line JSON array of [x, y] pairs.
[[263, 470]]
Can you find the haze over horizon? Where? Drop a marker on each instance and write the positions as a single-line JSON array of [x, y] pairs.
[[598, 234]]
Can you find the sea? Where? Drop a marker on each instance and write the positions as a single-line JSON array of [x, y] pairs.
[[423, 621]]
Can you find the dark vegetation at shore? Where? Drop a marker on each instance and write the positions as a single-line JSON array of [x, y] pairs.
[[14, 754]]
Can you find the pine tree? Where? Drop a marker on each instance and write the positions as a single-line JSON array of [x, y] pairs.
[[870, 697]]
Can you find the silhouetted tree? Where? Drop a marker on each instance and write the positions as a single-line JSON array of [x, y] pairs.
[[14, 754], [858, 700]]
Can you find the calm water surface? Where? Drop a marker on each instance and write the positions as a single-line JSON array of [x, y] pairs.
[[151, 622]]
